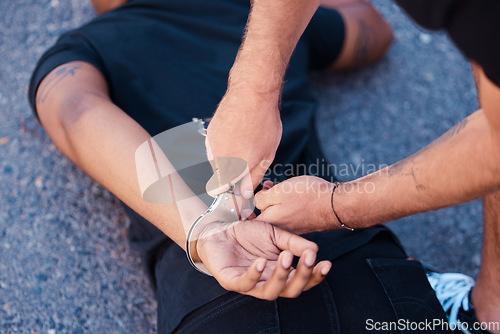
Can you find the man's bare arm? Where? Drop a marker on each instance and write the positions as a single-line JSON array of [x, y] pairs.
[[248, 115], [273, 30], [461, 165], [75, 109], [103, 6]]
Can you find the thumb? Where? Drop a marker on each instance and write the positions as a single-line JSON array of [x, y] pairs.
[[252, 181], [246, 186], [210, 155], [266, 198], [271, 215], [268, 184]]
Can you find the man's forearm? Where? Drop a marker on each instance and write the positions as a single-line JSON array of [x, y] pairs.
[[273, 30], [460, 166], [75, 109], [102, 141]]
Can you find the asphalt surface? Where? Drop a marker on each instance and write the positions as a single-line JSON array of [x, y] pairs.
[[65, 264]]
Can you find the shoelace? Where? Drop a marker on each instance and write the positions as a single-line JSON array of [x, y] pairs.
[[452, 291]]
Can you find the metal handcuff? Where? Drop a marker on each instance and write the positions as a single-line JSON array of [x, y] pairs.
[[224, 208]]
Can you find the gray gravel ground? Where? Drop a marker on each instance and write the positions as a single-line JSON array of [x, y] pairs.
[[65, 265]]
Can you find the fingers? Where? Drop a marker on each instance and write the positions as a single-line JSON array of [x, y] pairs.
[[252, 180], [210, 155], [246, 186], [247, 214], [288, 282], [271, 215], [292, 242], [266, 198], [284, 281], [274, 277], [258, 174], [301, 276], [268, 184], [250, 278], [318, 275], [278, 280]]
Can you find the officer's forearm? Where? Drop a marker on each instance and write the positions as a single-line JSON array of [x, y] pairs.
[[273, 30], [460, 166]]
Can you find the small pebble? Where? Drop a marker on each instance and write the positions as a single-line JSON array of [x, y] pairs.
[[39, 182], [8, 170], [425, 38]]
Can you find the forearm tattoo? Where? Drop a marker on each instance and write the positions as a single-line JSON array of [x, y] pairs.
[[365, 42], [53, 80]]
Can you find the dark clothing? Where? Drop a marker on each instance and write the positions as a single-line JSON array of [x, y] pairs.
[[473, 25], [372, 282], [168, 61]]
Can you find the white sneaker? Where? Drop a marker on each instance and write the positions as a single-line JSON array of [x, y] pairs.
[[453, 292]]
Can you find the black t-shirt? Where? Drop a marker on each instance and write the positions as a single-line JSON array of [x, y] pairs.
[[168, 61], [474, 26]]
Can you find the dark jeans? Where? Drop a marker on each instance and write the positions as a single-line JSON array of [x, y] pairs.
[[373, 282]]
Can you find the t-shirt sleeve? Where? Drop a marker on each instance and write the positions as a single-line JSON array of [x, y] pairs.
[[71, 46], [325, 37], [473, 25]]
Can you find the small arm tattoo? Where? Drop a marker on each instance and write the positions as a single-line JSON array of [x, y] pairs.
[[452, 132], [53, 80], [366, 39], [418, 186]]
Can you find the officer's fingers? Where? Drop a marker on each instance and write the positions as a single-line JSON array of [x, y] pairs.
[[272, 215], [265, 198], [252, 181], [246, 186], [210, 155], [268, 184], [292, 242]]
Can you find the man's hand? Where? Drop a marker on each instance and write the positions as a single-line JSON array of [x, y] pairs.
[[255, 258], [300, 204], [246, 125]]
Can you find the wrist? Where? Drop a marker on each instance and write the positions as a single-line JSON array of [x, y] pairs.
[[259, 80], [250, 103], [196, 237], [339, 216], [204, 234], [194, 251], [327, 215]]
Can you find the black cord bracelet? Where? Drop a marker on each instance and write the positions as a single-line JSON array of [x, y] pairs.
[[335, 185]]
